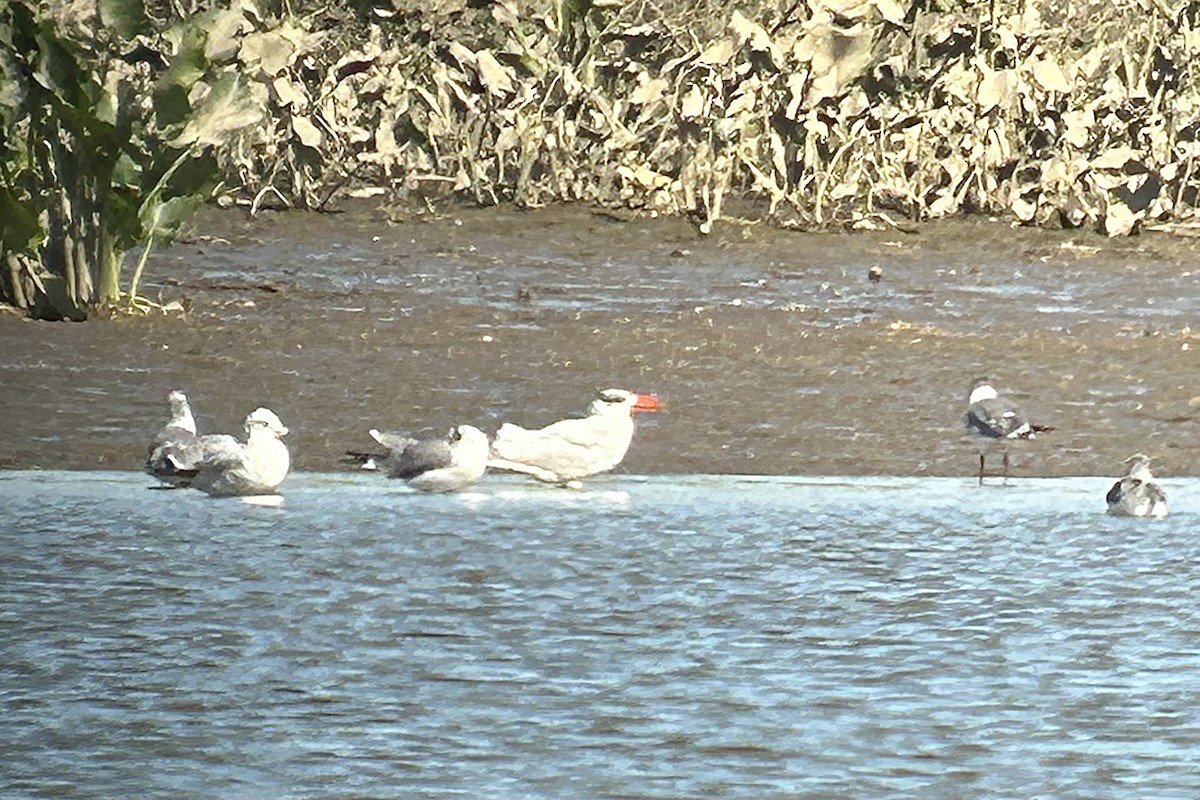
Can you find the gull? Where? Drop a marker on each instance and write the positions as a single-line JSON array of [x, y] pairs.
[[993, 420], [571, 449], [175, 448], [438, 464], [1137, 494], [226, 467]]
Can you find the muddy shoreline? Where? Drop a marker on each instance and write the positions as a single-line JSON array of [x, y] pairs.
[[775, 352]]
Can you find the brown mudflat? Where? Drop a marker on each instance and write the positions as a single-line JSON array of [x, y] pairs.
[[775, 351]]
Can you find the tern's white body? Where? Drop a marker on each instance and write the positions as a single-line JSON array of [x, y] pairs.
[[571, 449]]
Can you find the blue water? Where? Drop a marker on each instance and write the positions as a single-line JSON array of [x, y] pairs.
[[665, 637]]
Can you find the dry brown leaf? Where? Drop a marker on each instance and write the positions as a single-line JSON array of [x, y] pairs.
[[271, 51], [1050, 76], [506, 13], [1077, 127], [944, 204], [893, 11], [1119, 220], [223, 35], [644, 177], [751, 34], [462, 54], [1115, 158], [836, 55], [496, 78], [716, 54], [290, 93], [1023, 207], [996, 88], [693, 104], [308, 133], [649, 90], [744, 101], [847, 9], [385, 141], [797, 84]]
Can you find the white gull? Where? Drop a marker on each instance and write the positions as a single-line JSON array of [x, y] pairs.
[[995, 421], [227, 467], [437, 464], [1137, 494], [175, 448]]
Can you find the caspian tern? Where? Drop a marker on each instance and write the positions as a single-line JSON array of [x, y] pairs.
[[571, 449], [226, 467], [993, 420], [176, 446], [1137, 494], [439, 464]]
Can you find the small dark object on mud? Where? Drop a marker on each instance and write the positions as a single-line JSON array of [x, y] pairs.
[[875, 274]]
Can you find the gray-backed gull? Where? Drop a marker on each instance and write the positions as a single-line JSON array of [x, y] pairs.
[[994, 421]]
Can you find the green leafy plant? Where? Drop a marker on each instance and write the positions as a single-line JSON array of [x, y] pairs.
[[109, 133]]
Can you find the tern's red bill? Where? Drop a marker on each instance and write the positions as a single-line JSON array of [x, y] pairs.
[[647, 402]]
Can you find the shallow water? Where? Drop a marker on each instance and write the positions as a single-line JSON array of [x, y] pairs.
[[775, 353], [966, 278], [670, 636]]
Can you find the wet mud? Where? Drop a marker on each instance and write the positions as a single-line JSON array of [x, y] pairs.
[[775, 351]]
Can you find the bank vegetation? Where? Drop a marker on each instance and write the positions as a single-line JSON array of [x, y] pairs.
[[807, 113]]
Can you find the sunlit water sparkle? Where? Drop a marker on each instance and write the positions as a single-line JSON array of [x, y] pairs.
[[674, 636]]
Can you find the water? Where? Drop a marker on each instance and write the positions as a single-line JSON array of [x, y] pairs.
[[669, 637], [961, 278]]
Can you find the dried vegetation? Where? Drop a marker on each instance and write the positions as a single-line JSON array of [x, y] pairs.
[[122, 116], [820, 112]]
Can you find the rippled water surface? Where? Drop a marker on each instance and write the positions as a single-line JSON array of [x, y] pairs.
[[666, 637], [971, 279]]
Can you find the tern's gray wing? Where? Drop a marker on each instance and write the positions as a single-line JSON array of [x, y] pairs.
[[996, 418], [418, 457]]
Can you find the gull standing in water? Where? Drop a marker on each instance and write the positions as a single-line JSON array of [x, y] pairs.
[[175, 448], [1137, 494], [571, 449], [994, 420], [439, 464], [226, 467]]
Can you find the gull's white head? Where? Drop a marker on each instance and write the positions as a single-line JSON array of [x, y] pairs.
[[1139, 467], [468, 434], [982, 390], [181, 411], [469, 449], [265, 419]]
